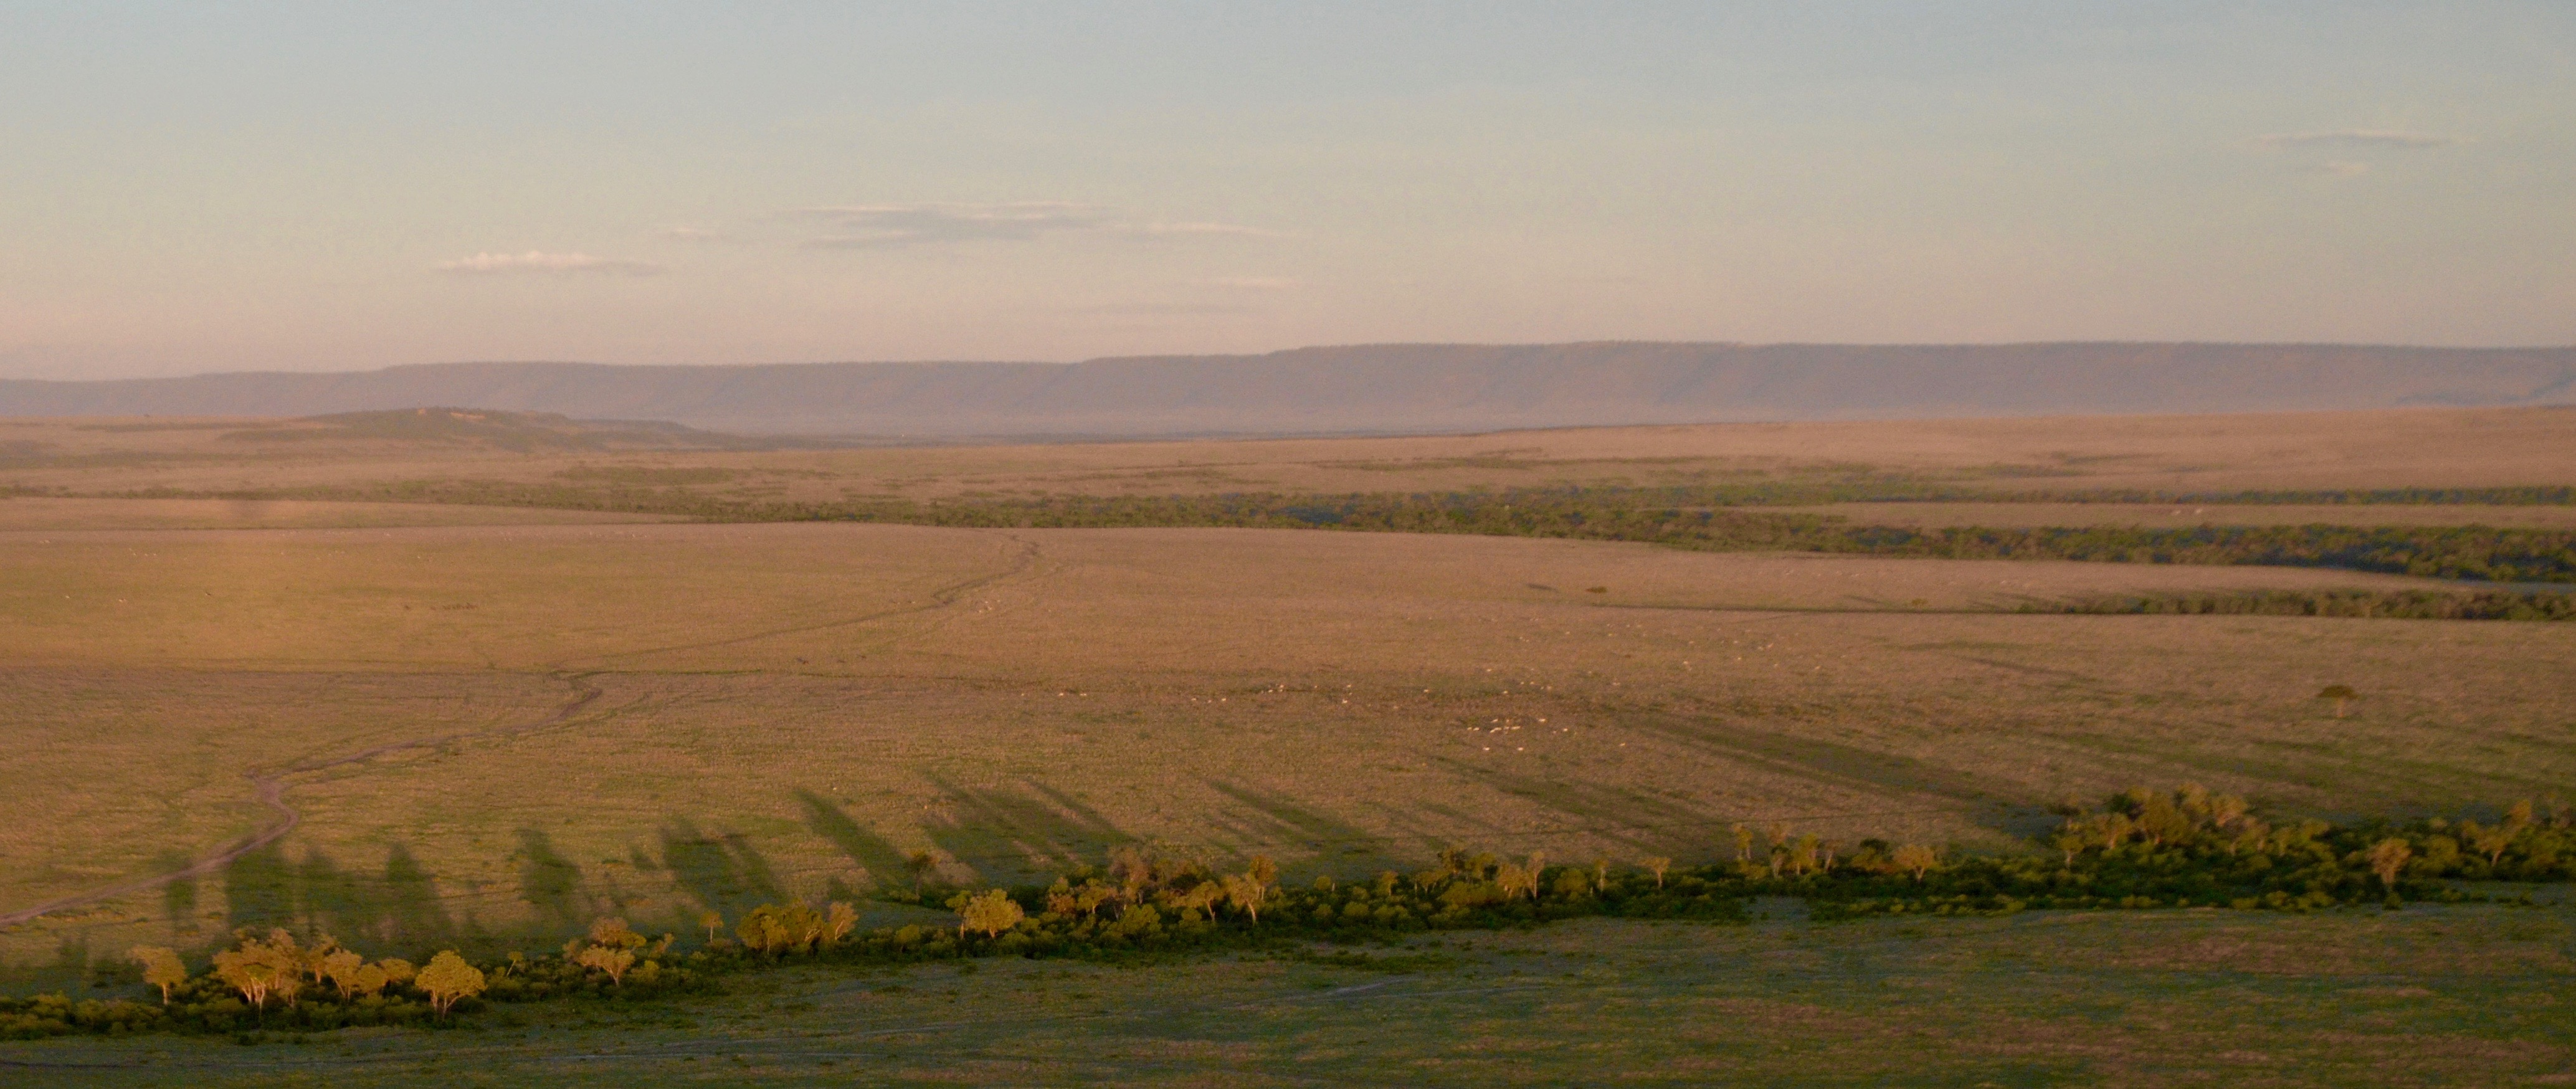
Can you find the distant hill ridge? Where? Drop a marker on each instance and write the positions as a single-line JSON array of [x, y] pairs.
[[1383, 388]]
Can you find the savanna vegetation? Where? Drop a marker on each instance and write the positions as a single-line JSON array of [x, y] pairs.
[[2364, 604], [2136, 850], [1696, 518]]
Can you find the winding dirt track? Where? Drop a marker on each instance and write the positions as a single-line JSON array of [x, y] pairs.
[[271, 783]]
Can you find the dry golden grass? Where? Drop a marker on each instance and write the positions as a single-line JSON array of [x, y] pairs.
[[785, 706], [46, 513], [2401, 448]]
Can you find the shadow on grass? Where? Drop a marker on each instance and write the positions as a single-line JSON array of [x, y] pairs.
[[1274, 824], [1007, 835], [722, 872]]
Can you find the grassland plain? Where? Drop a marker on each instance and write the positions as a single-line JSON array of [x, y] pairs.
[[2446, 448], [489, 725], [2427, 996], [783, 709]]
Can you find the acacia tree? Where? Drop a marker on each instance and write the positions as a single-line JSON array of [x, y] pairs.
[[1511, 879], [340, 967], [2068, 841], [2491, 842], [260, 969], [609, 959], [1656, 865], [161, 968], [1247, 893], [447, 979], [2387, 857], [838, 921], [992, 912]]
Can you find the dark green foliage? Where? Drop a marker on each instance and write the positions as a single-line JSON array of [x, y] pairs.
[[2386, 605], [1696, 518]]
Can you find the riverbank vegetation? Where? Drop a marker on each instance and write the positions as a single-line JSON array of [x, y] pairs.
[[1694, 518], [2141, 849]]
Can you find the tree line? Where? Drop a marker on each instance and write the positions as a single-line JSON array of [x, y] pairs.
[[2138, 849], [2544, 605], [1694, 518]]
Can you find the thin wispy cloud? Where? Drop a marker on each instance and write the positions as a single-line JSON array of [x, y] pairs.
[[685, 233], [902, 226], [899, 226], [536, 261], [1234, 229], [2356, 138], [1255, 283]]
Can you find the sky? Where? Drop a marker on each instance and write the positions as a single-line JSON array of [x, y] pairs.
[[232, 186]]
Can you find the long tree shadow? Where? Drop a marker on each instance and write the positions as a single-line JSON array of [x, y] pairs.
[[414, 913], [1011, 835], [723, 873], [402, 909], [1276, 823], [1990, 803], [882, 860], [259, 889], [179, 896], [551, 882], [1621, 814]]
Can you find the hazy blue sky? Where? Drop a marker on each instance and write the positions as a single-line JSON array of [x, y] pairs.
[[339, 186]]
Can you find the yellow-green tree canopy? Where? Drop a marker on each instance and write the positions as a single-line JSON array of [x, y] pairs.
[[615, 934], [161, 968], [991, 912], [447, 978], [609, 959]]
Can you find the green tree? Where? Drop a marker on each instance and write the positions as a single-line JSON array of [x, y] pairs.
[[2387, 858], [340, 967], [615, 934], [261, 969], [1656, 865], [448, 979], [991, 912], [609, 959], [161, 968], [838, 921]]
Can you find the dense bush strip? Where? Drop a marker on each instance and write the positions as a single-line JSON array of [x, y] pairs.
[[2386, 605], [2139, 849], [1686, 518]]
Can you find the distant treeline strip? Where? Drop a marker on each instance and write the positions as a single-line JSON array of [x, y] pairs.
[[2370, 604], [1685, 518], [2422, 497]]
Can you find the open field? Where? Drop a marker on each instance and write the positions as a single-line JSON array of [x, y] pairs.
[[2460, 448], [42, 513], [779, 708], [415, 724], [2428, 996]]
